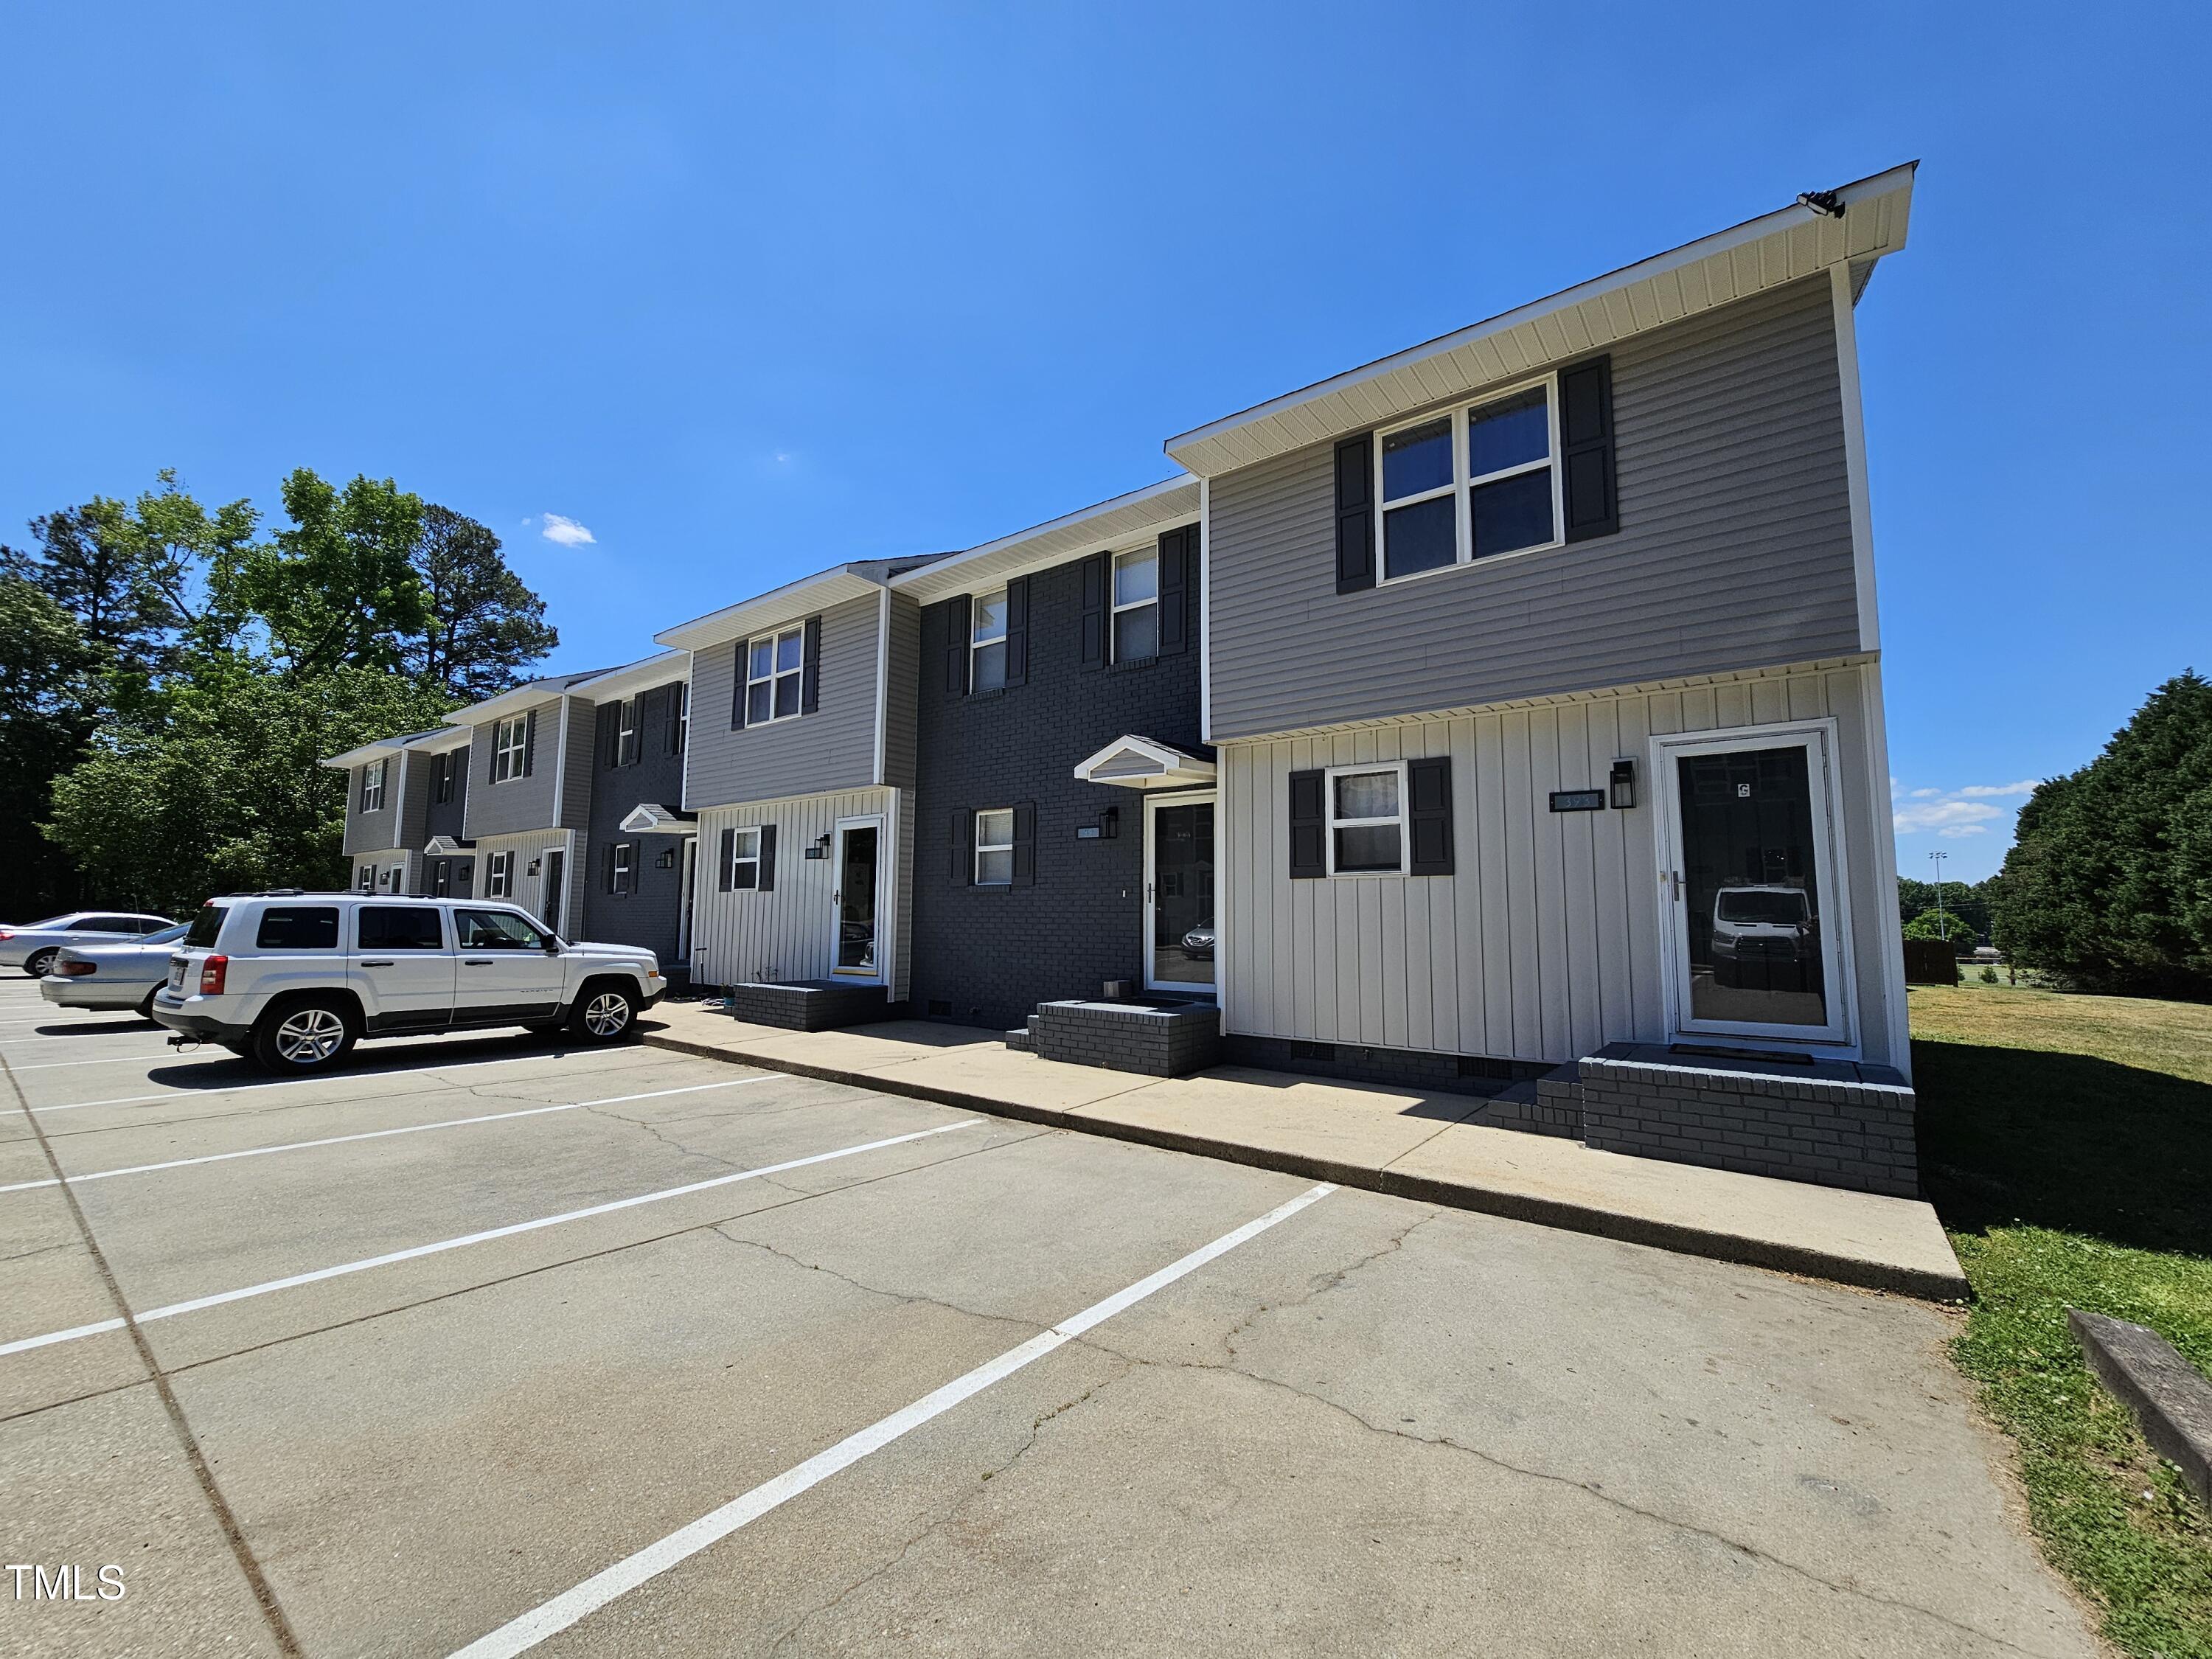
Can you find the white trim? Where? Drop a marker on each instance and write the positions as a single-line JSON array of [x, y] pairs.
[[883, 679], [738, 855], [879, 974], [1818, 738], [683, 788], [1329, 824], [362, 808], [977, 644], [621, 874], [1148, 922], [1115, 606], [943, 578], [1173, 768], [1855, 457], [978, 847], [1205, 628], [1895, 1017], [643, 675], [501, 750], [773, 638], [651, 817], [626, 731], [1460, 414]]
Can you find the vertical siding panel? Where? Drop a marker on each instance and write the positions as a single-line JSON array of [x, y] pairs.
[[1609, 882], [1808, 697], [1498, 962], [1461, 915], [1732, 704], [1316, 1010], [1638, 866], [1700, 711], [1548, 840], [1770, 701], [1579, 837], [1391, 991], [1524, 969]]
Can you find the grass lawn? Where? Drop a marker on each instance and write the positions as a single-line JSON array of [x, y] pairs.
[[2067, 1143]]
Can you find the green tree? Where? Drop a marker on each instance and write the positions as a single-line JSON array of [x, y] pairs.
[[1949, 924], [224, 791], [2109, 881], [1967, 899], [47, 693], [338, 587], [483, 626]]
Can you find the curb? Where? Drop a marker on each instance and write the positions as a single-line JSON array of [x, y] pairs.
[[1712, 1245], [2168, 1397]]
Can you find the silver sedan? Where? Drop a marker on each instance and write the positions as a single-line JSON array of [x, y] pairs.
[[32, 948], [121, 974]]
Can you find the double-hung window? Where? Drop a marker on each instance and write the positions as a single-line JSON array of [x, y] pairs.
[[366, 880], [499, 876], [448, 765], [994, 847], [626, 731], [1136, 606], [372, 786], [1367, 820], [987, 662], [1472, 484], [622, 868], [775, 665], [510, 748], [681, 732], [744, 859]]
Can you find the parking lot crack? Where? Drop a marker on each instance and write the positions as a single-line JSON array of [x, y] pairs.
[[1322, 1284], [664, 1138], [909, 1299]]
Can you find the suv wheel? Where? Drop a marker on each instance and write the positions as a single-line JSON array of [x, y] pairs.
[[312, 1035], [606, 1012], [39, 963]]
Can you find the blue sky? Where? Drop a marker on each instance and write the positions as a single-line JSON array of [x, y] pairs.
[[739, 291]]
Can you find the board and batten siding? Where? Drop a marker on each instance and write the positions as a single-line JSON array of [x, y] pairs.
[[528, 891], [1734, 549], [1543, 944], [833, 748], [515, 805], [788, 933]]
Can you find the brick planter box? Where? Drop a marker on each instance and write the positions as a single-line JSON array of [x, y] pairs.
[[815, 1004], [1127, 1037]]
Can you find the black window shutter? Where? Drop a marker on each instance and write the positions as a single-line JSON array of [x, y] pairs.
[[491, 767], [809, 676], [1018, 631], [609, 862], [1355, 513], [529, 742], [1094, 611], [729, 855], [1025, 844], [958, 615], [964, 857], [1429, 815], [614, 738], [1586, 449], [1308, 825], [767, 883], [738, 690], [1177, 589]]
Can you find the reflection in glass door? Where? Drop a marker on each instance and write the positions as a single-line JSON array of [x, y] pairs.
[[856, 897], [1757, 947], [1179, 892]]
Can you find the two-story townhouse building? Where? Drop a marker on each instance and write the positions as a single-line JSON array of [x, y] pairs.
[[1544, 672], [640, 846], [528, 806], [402, 794], [800, 769], [1064, 833]]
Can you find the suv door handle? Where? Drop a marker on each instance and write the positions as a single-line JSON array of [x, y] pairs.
[[478, 962], [379, 963]]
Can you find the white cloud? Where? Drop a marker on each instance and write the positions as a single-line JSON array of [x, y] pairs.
[[566, 532], [1955, 831], [1926, 794], [2026, 787], [1944, 817]]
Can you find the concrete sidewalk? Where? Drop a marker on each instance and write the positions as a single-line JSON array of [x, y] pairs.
[[1387, 1139]]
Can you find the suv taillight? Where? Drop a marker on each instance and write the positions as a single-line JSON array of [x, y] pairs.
[[212, 974]]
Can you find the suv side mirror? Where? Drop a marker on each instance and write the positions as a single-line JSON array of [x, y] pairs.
[[552, 947]]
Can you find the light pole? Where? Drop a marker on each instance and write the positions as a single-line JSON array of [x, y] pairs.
[[1942, 929]]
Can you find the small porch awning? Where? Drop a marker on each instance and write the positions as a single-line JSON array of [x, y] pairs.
[[650, 819], [441, 847], [1135, 762]]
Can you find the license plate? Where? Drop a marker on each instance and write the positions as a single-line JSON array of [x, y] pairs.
[[176, 973]]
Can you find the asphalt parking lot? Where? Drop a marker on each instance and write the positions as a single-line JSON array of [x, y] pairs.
[[486, 1345]]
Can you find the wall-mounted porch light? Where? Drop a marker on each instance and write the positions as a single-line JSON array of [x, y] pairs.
[[1622, 786]]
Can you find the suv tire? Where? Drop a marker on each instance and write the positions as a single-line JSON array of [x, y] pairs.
[[39, 963], [311, 1034], [606, 1011]]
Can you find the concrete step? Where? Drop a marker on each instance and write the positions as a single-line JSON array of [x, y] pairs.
[[1022, 1041]]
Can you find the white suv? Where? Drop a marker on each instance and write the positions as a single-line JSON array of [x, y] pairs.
[[293, 979]]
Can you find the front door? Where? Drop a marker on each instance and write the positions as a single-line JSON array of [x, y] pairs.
[[856, 899], [1179, 930], [556, 870], [690, 860], [1756, 930], [509, 970]]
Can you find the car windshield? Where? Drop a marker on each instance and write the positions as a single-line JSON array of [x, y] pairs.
[[56, 921], [205, 926], [1784, 908]]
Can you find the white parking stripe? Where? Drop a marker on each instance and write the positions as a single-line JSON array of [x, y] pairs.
[[290, 1083], [199, 1303], [379, 1134], [112, 1059], [551, 1618]]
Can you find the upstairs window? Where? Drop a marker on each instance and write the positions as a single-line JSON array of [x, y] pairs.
[[1136, 606], [1471, 484], [510, 748], [994, 847], [447, 768], [1367, 821], [774, 670], [624, 744], [680, 727], [987, 645], [372, 786]]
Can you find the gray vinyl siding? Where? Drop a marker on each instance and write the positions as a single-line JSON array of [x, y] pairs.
[[1734, 549], [1545, 943], [578, 766], [518, 804], [371, 832], [834, 748], [787, 933], [904, 658]]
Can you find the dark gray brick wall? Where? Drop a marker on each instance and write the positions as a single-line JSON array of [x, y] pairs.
[[807, 1005], [647, 918], [991, 954], [1156, 1041], [1409, 1068]]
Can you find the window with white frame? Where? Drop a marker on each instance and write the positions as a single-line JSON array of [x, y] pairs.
[[510, 748], [994, 847], [448, 767], [1471, 484], [499, 876], [367, 879], [372, 786], [681, 734], [625, 743], [1136, 606], [986, 663], [775, 663], [1367, 820], [744, 859], [622, 868]]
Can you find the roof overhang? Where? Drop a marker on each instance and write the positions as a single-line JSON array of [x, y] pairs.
[[382, 749], [1135, 762], [640, 675], [1141, 512], [431, 743], [1763, 253], [524, 696], [787, 603], [441, 847], [651, 819]]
